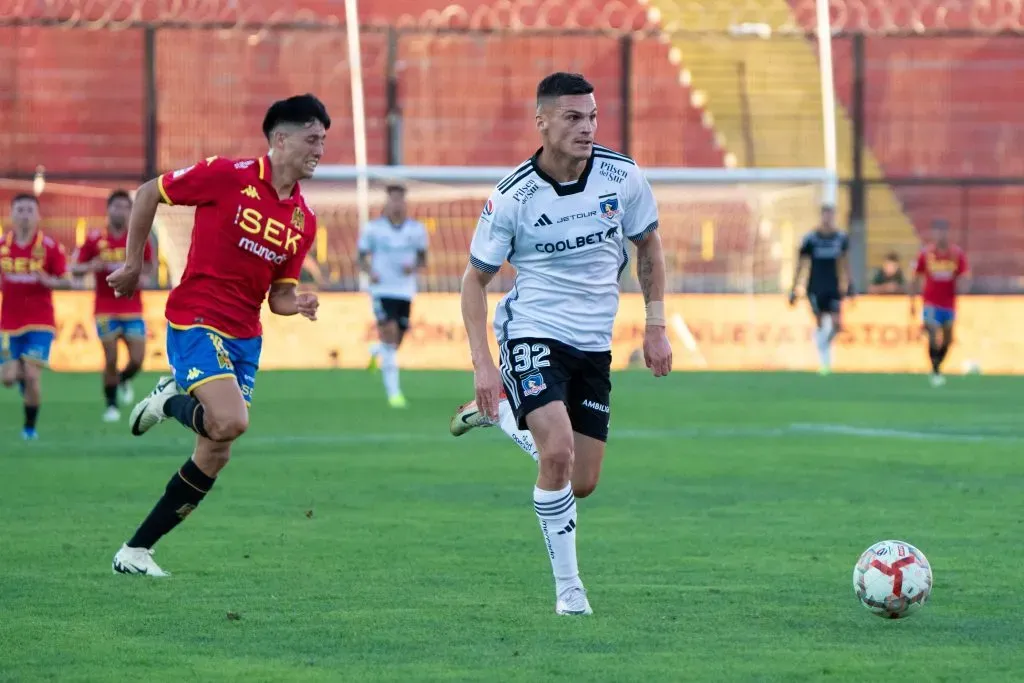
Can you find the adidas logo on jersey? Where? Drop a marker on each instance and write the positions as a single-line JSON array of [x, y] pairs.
[[251, 192], [542, 221]]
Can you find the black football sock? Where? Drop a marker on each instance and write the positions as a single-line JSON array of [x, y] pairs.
[[129, 371], [110, 392], [940, 355], [933, 354], [31, 414], [184, 492], [188, 411]]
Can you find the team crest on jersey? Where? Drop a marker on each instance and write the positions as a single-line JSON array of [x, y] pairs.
[[298, 219], [488, 208], [533, 384], [608, 204]]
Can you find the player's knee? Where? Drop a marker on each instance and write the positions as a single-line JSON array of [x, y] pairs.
[[226, 427], [556, 460], [582, 489]]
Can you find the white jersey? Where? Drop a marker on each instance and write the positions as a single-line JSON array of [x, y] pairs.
[[566, 242], [393, 249]]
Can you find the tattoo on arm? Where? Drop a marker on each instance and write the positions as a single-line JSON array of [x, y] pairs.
[[645, 273]]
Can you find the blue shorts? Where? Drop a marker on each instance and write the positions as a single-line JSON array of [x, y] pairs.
[[936, 315], [129, 328], [199, 354], [32, 346]]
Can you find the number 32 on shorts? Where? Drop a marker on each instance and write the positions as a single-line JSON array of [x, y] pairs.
[[530, 357]]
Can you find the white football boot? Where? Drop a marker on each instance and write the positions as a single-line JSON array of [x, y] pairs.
[[573, 601], [466, 417], [111, 414], [136, 561], [937, 379], [150, 411]]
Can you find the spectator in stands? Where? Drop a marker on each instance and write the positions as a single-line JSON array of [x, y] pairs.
[[888, 279]]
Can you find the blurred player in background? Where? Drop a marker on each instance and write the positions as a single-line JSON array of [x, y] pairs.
[[824, 253], [561, 219], [942, 265], [116, 317], [32, 265], [392, 250], [252, 232]]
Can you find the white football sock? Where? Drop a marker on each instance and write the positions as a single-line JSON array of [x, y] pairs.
[[522, 437], [821, 340], [389, 369], [375, 349], [556, 511]]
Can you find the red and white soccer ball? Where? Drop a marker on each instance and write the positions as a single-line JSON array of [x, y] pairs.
[[892, 579]]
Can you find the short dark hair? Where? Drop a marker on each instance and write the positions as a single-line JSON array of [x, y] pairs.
[[892, 256], [298, 109], [118, 194], [563, 83], [24, 197], [394, 187]]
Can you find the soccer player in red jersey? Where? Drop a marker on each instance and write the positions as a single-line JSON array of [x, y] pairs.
[[252, 231], [32, 265], [941, 265], [116, 317]]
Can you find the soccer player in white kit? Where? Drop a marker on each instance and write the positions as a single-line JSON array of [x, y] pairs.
[[561, 219], [392, 250]]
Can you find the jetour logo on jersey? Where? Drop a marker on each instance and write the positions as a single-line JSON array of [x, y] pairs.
[[267, 236]]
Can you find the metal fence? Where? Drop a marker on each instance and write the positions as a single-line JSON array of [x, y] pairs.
[[928, 112]]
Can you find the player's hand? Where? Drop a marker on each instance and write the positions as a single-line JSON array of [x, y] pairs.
[[125, 280], [657, 350], [487, 384], [307, 304]]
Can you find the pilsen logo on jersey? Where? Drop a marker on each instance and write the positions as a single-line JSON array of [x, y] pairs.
[[298, 219], [609, 205]]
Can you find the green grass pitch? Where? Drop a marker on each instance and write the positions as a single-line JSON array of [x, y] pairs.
[[351, 542]]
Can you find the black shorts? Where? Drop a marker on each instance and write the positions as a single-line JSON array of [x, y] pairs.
[[386, 309], [825, 302], [538, 371]]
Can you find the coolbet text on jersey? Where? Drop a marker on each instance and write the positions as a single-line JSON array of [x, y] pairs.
[[567, 243], [27, 304], [393, 249], [244, 239], [940, 268], [110, 250]]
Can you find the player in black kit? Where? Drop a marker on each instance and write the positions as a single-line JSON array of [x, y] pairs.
[[825, 249]]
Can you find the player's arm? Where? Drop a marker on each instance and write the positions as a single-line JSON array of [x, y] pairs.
[[85, 259], [421, 252], [963, 276], [640, 226], [54, 274], [284, 297], [196, 185], [843, 271], [803, 260], [489, 248], [915, 279]]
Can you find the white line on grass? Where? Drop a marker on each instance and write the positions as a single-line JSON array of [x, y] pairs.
[[116, 443]]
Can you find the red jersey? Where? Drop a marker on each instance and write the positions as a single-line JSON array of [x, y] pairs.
[[108, 248], [244, 239], [27, 304], [941, 268]]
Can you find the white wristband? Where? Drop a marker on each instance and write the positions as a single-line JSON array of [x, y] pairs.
[[656, 313]]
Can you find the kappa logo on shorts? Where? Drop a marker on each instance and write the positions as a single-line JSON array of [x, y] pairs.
[[533, 384]]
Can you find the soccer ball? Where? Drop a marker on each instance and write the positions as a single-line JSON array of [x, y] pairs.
[[892, 579]]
